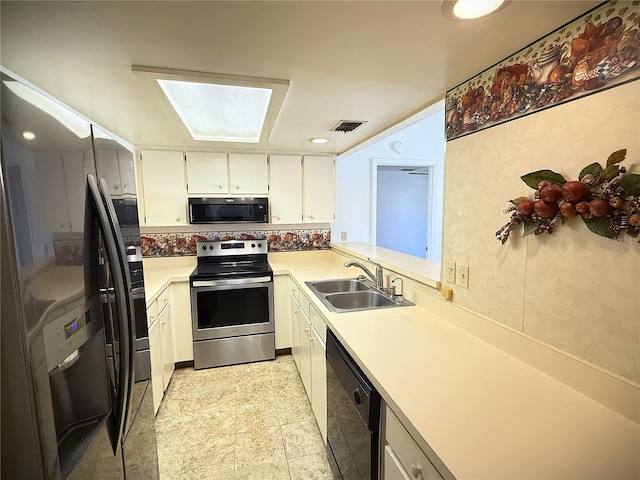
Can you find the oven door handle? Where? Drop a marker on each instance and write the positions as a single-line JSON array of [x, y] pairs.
[[234, 281]]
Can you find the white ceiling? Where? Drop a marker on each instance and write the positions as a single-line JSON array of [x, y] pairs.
[[379, 61]]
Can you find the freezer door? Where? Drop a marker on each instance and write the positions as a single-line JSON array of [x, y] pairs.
[[55, 327]]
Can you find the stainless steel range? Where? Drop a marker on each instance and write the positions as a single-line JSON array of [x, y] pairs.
[[232, 303]]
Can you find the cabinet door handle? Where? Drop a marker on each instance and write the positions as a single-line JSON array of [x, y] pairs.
[[237, 187], [416, 470], [177, 219], [220, 186]]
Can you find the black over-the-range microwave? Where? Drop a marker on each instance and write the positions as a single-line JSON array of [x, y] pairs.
[[229, 210]]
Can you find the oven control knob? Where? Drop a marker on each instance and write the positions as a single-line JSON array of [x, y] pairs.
[[210, 247], [204, 247], [259, 245], [253, 245]]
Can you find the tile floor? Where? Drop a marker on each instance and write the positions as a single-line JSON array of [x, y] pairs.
[[250, 421]]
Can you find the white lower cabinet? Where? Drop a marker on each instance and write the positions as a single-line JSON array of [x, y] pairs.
[[318, 381], [181, 321], [156, 364], [160, 345], [308, 349], [282, 311], [403, 459], [305, 351], [166, 343], [295, 329]]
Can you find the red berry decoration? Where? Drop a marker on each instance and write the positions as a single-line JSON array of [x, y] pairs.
[[582, 207], [574, 191], [545, 209], [526, 207], [550, 193], [598, 207], [568, 210], [606, 197]]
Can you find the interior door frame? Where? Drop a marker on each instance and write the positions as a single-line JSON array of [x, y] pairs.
[[394, 162]]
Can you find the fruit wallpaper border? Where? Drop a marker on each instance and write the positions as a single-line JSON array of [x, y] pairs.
[[596, 51], [177, 244]]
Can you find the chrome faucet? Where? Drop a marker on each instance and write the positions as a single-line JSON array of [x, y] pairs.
[[377, 278]]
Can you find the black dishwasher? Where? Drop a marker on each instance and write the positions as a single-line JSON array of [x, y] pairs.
[[353, 411]]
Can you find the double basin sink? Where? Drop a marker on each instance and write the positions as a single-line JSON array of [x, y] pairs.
[[351, 294]]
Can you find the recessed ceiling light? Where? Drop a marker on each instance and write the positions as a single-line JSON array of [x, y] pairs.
[[471, 9], [319, 140], [66, 117], [28, 135], [222, 108]]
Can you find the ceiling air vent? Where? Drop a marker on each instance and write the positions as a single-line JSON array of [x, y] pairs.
[[345, 126]]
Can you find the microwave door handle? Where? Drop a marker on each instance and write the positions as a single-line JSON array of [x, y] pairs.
[[116, 420], [128, 327]]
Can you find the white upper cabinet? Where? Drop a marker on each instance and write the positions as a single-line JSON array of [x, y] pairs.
[[76, 167], [207, 173], [286, 188], [318, 184], [109, 170], [248, 174], [165, 199], [127, 172]]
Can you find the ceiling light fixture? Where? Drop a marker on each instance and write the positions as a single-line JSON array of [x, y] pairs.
[[471, 9], [319, 140], [222, 108], [28, 135]]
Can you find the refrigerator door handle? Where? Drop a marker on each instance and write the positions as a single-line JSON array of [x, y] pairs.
[[123, 264], [117, 421]]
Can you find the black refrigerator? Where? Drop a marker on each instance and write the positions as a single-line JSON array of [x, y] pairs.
[[75, 370]]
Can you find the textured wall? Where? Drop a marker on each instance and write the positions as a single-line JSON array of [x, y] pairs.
[[572, 289]]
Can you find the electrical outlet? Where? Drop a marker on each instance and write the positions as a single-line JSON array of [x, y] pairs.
[[450, 272], [343, 236], [462, 277]]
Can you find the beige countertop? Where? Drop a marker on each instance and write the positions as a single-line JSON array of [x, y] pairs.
[[485, 414], [160, 272]]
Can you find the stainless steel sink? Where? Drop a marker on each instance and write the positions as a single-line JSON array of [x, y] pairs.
[[350, 295], [341, 285], [359, 300]]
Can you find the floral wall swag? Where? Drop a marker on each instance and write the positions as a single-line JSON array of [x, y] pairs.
[[607, 198]]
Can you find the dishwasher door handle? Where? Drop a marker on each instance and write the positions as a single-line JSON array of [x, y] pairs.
[[357, 397]]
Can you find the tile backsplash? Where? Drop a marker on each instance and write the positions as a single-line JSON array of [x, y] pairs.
[[184, 243]]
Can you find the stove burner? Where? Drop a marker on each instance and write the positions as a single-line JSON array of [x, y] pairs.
[[219, 259]]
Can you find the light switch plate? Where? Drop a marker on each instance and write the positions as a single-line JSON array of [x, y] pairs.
[[462, 276], [450, 272], [343, 236]]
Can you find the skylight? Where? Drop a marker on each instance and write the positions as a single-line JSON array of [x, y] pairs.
[[219, 113]]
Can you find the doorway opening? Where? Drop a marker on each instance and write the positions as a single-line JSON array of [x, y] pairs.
[[403, 197]]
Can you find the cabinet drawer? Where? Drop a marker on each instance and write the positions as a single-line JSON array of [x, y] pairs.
[[152, 313], [163, 299], [318, 323], [392, 468], [295, 291], [411, 457]]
